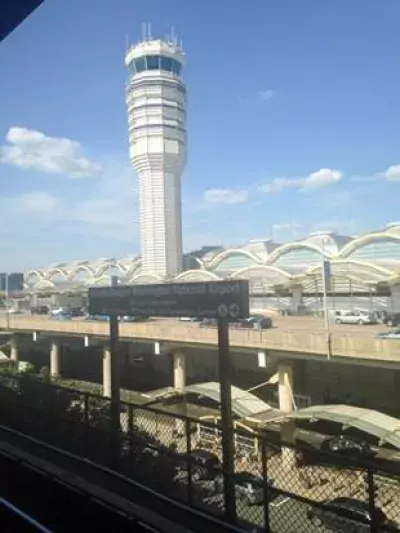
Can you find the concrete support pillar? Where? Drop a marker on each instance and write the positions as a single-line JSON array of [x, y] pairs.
[[179, 370], [14, 350], [55, 359], [296, 299], [286, 404], [107, 371], [179, 385]]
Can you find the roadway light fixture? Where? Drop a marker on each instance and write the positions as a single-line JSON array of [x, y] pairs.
[[326, 280]]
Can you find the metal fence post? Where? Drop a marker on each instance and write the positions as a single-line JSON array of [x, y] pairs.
[[130, 430], [189, 460], [115, 405], [371, 499], [264, 467], [85, 423], [225, 383], [49, 412]]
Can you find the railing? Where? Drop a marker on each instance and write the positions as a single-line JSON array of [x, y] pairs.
[[14, 519], [295, 340], [292, 486]]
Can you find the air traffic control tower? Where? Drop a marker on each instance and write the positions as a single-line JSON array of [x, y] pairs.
[[156, 100]]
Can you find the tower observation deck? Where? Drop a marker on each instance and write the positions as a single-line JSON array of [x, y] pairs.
[[156, 101]]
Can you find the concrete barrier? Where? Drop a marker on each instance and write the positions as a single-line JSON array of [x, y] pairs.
[[280, 340]]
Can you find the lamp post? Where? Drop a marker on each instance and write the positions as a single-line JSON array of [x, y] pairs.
[[7, 301], [326, 274]]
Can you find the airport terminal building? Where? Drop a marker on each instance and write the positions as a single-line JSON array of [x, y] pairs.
[[365, 272]]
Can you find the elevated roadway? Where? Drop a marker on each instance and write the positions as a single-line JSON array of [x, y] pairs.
[[302, 338]]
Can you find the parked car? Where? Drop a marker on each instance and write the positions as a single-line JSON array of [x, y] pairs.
[[127, 318], [205, 465], [61, 316], [208, 323], [77, 311], [40, 310], [394, 334], [348, 445], [347, 514], [248, 488], [354, 317], [391, 319], [103, 318], [254, 322]]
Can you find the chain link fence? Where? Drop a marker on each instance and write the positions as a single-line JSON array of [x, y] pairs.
[[277, 487]]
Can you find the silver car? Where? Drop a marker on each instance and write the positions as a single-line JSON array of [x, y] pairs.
[[354, 317]]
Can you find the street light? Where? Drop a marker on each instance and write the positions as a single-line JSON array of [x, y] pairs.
[[7, 301], [326, 276]]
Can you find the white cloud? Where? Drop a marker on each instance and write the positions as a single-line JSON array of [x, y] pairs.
[[40, 202], [266, 95], [282, 226], [279, 184], [321, 178], [226, 196], [30, 149], [392, 173], [334, 225], [63, 228]]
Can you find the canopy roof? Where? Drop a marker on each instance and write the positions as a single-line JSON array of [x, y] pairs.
[[244, 404], [386, 428]]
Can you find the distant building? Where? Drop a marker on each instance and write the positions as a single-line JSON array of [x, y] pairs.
[[365, 271], [156, 102], [11, 282]]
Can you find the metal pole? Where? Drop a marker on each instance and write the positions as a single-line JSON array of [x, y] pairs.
[[189, 460], [115, 393], [7, 296], [228, 462], [325, 300], [264, 467], [371, 500]]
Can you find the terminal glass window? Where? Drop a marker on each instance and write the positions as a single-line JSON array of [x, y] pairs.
[[234, 261], [380, 250], [176, 67], [166, 63], [140, 64], [153, 62], [299, 258]]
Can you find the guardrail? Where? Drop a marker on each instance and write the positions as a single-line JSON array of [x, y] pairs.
[[291, 485], [282, 340], [17, 520]]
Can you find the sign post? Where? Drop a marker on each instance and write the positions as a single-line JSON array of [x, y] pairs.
[[225, 385], [224, 301], [115, 382]]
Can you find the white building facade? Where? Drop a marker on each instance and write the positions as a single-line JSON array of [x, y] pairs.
[[156, 102]]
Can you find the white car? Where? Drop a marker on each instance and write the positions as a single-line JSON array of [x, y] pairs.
[[354, 317]]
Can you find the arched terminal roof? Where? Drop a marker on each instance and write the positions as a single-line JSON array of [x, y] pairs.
[[244, 404], [390, 235], [360, 271], [385, 427], [365, 260]]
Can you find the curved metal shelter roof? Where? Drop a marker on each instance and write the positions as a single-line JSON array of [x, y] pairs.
[[244, 404], [385, 427]]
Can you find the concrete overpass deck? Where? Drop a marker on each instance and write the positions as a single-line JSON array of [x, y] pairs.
[[292, 338]]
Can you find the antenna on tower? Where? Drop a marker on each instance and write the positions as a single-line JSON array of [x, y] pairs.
[[126, 42], [150, 38], [173, 36]]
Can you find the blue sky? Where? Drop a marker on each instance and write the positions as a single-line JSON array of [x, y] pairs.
[[293, 123]]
